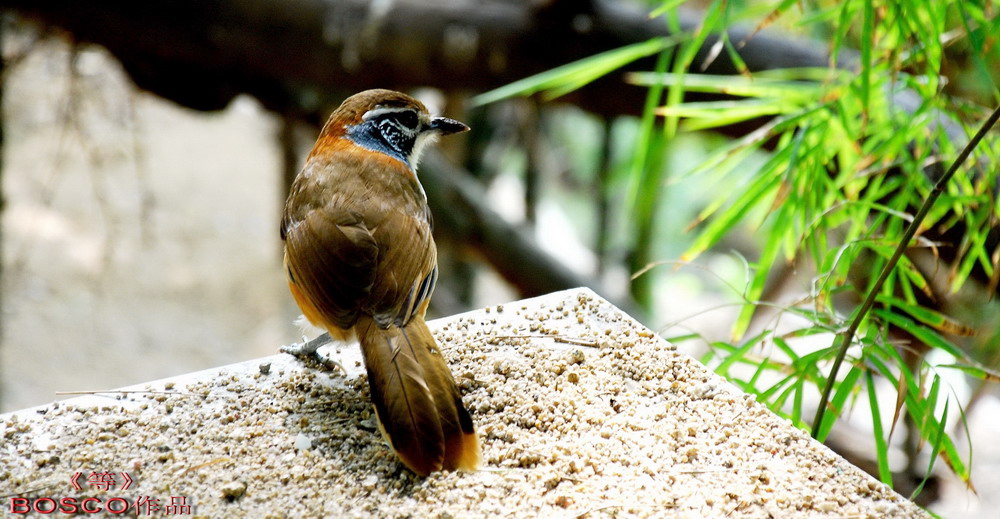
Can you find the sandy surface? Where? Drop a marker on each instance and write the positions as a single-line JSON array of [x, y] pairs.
[[582, 413]]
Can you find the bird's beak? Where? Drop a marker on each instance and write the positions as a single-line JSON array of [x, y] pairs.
[[447, 126]]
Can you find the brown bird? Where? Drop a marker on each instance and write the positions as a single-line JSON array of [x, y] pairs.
[[361, 262]]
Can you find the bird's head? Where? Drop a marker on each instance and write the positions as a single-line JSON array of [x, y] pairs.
[[389, 122]]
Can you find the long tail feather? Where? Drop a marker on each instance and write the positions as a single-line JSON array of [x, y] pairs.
[[417, 402], [462, 451]]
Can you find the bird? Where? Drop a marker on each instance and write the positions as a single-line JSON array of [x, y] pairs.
[[361, 263]]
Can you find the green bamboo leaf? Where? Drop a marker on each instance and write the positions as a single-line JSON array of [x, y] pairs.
[[882, 368], [764, 185], [928, 316], [715, 108], [845, 22], [881, 445], [675, 339], [931, 401], [783, 346], [771, 17], [688, 50], [577, 73], [973, 249], [763, 87], [732, 154], [799, 386], [904, 267], [734, 56], [939, 438], [976, 371], [844, 390], [815, 357], [708, 123], [721, 163], [767, 394], [761, 368], [666, 6], [921, 333], [720, 113], [821, 15], [826, 75], [945, 447], [778, 404], [922, 413], [740, 352], [977, 41]]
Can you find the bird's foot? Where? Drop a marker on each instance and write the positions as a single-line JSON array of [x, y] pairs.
[[310, 350]]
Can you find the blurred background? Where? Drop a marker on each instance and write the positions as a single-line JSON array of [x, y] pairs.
[[140, 227], [147, 150]]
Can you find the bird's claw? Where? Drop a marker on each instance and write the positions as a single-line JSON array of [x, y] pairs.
[[310, 349]]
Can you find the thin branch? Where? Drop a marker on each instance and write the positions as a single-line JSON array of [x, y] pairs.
[[848, 336], [300, 56], [102, 392]]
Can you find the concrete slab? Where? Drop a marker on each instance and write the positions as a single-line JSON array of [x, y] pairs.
[[582, 412]]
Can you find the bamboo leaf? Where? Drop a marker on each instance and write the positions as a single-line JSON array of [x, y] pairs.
[[844, 389], [933, 318], [751, 196], [881, 443], [792, 91], [567, 78], [925, 335], [939, 440], [738, 354], [979, 372], [665, 6]]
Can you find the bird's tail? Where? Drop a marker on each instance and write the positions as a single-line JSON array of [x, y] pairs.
[[418, 405]]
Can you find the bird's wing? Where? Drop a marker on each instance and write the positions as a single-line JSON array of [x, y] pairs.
[[332, 261], [407, 266]]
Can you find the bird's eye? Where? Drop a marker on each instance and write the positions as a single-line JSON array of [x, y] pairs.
[[408, 119], [391, 133]]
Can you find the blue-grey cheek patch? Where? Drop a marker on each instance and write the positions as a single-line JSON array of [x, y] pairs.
[[388, 141]]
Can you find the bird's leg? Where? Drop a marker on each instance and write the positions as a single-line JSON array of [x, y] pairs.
[[309, 349]]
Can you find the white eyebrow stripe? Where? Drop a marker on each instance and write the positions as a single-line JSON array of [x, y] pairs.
[[386, 110]]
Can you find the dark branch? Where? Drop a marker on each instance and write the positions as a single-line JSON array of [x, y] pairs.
[[300, 56]]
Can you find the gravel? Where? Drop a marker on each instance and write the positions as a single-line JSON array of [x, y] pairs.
[[581, 410]]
